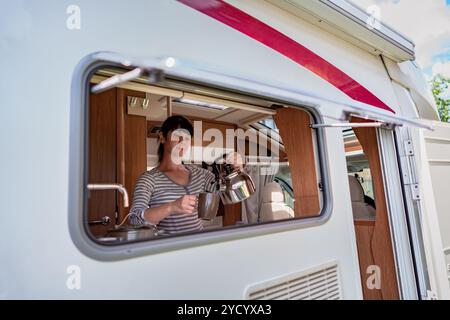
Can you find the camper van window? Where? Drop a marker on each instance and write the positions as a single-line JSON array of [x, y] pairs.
[[166, 161]]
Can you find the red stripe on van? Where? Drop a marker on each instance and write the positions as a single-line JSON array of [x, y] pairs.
[[265, 34]]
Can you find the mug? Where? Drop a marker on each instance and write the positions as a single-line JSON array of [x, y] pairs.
[[208, 205]]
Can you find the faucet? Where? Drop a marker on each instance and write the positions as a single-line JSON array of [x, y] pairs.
[[111, 186]]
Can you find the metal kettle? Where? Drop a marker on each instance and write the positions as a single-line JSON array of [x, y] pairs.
[[233, 186]]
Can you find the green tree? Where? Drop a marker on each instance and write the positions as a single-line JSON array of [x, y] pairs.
[[439, 84]]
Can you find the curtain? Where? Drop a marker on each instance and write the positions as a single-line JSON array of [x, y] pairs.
[[261, 175]]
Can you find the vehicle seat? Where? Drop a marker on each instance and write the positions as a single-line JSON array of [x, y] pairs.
[[273, 206], [361, 210]]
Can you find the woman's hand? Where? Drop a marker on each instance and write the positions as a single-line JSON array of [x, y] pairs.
[[185, 205]]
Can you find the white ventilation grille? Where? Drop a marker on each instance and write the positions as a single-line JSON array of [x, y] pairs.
[[319, 283]]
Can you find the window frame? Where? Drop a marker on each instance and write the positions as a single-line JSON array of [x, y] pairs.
[[78, 173]]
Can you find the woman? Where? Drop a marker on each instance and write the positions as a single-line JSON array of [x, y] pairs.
[[167, 195]]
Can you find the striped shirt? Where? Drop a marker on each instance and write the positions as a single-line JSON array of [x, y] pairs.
[[154, 188]]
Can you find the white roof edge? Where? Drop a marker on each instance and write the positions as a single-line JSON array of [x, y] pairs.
[[385, 25], [351, 20]]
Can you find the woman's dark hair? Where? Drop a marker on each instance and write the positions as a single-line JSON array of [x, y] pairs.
[[170, 124]]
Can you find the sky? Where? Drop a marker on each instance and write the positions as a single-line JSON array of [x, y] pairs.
[[426, 22]]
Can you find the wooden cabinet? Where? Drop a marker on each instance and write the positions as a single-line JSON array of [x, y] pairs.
[[102, 157], [132, 146], [117, 154]]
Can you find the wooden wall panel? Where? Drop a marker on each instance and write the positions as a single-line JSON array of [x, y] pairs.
[[380, 243], [102, 157], [132, 145], [364, 235], [293, 125], [232, 213]]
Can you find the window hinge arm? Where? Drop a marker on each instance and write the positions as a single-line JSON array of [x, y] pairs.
[[351, 125], [154, 75]]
